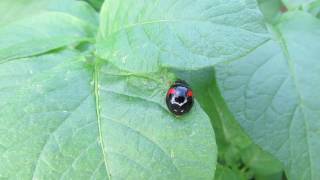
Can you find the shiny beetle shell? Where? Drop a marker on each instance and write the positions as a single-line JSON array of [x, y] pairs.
[[179, 98]]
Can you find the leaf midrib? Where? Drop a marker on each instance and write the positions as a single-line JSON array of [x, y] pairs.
[[300, 104], [159, 21], [97, 103]]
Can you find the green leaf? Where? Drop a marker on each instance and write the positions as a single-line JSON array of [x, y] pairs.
[[18, 9], [273, 92], [67, 115], [143, 36], [79, 9], [21, 9], [48, 121], [55, 110], [141, 138], [42, 33], [74, 22]]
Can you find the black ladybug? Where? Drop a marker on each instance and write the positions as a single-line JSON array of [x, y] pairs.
[[179, 98]]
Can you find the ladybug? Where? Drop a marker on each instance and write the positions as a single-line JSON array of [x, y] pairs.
[[179, 98]]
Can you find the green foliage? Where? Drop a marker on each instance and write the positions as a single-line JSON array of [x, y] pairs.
[[145, 36], [273, 93], [83, 85]]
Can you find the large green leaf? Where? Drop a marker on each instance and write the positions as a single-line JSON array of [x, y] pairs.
[[140, 35], [141, 138], [274, 91], [55, 110], [49, 127], [68, 115]]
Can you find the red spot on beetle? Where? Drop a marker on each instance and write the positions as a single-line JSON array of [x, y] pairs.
[[189, 93], [171, 91]]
